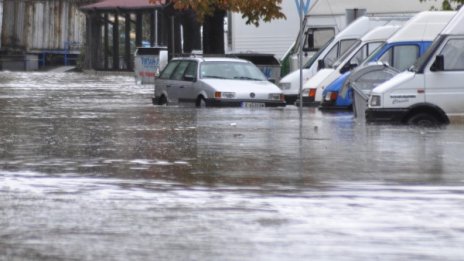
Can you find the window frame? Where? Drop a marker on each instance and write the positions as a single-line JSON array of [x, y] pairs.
[[162, 74], [461, 54], [391, 51]]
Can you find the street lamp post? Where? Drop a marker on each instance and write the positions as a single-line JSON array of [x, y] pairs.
[[300, 53], [302, 10]]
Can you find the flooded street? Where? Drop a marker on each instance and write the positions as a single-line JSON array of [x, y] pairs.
[[91, 170]]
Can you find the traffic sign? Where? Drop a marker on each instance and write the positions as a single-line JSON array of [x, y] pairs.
[[302, 6]]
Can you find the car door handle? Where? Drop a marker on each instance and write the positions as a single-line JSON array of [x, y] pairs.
[[168, 86], [182, 86]]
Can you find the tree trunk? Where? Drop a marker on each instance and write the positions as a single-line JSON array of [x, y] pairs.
[[213, 33]]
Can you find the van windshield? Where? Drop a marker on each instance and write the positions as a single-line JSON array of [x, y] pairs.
[[374, 54], [347, 54], [317, 54], [420, 64]]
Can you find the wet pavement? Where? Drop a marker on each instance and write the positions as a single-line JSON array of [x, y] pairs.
[[91, 170]]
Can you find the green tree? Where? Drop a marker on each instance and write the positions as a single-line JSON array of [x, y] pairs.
[[211, 13], [448, 4]]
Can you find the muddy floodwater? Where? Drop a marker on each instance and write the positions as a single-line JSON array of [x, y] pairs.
[[91, 170]]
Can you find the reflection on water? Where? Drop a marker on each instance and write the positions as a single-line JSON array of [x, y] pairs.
[[89, 170]]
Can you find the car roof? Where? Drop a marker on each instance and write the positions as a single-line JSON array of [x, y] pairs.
[[211, 59], [424, 26]]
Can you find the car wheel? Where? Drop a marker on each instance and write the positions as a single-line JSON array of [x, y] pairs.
[[423, 120], [162, 100], [201, 102]]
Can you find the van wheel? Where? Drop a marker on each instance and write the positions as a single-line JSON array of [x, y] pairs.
[[423, 120], [162, 100], [201, 102]]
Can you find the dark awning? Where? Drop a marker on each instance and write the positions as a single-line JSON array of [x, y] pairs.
[[120, 4]]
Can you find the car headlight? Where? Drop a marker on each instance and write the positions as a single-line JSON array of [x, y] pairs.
[[305, 92], [330, 96], [312, 92], [275, 96], [374, 101], [285, 85]]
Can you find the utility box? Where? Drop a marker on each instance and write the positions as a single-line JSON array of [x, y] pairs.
[[267, 63], [149, 61]]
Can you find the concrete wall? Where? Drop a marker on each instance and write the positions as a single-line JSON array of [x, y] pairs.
[[41, 25]]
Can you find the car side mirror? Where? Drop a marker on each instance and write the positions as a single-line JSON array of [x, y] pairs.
[[320, 64], [438, 64], [190, 78]]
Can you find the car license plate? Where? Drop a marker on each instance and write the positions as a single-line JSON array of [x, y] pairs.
[[253, 105]]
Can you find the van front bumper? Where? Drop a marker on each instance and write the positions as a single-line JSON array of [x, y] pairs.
[[331, 106], [308, 102], [290, 99], [390, 115]]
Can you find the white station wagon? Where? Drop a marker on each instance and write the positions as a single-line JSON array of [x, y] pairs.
[[207, 81]]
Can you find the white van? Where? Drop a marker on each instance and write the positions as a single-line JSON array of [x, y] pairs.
[[400, 51], [351, 59], [328, 54], [326, 24], [326, 18], [432, 91]]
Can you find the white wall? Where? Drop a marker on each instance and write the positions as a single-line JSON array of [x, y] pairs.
[[274, 37], [277, 36]]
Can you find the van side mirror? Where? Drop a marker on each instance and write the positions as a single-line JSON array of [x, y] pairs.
[[438, 64], [348, 67], [320, 64], [308, 46]]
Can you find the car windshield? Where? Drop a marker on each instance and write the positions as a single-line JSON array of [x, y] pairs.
[[231, 70]]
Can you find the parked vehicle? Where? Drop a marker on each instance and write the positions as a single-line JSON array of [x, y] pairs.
[[365, 47], [329, 27], [400, 51], [205, 82], [327, 18], [333, 50], [432, 91]]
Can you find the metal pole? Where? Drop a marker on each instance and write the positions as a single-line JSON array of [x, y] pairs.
[[300, 53], [156, 28], [173, 45]]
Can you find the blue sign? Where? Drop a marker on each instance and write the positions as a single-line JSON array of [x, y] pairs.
[[302, 7]]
